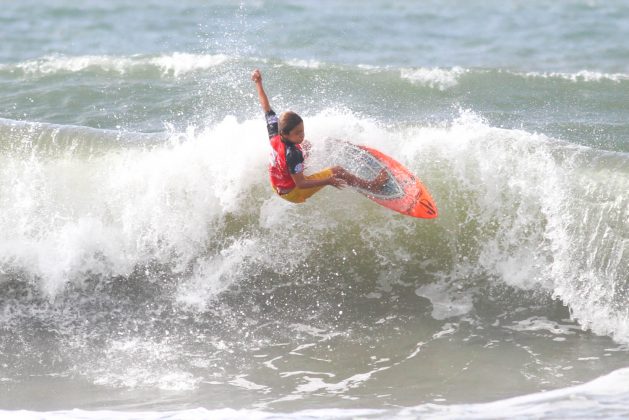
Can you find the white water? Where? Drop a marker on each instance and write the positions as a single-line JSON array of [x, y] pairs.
[[517, 197]]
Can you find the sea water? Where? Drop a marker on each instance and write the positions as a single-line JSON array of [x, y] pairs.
[[148, 271]]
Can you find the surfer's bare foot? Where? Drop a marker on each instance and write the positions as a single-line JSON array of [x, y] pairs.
[[378, 182], [352, 180]]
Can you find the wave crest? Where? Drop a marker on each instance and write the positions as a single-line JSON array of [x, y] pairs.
[[175, 64]]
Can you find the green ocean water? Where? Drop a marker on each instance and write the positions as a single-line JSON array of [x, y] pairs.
[[146, 266]]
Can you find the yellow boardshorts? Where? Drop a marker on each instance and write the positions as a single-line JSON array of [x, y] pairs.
[[299, 195]]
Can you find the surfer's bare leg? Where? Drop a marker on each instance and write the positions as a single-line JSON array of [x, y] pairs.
[[352, 180]]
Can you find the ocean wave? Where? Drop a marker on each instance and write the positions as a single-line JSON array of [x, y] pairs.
[[178, 64], [444, 78], [175, 64], [513, 205], [24, 139]]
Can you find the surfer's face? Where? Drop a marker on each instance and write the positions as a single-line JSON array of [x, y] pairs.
[[297, 134]]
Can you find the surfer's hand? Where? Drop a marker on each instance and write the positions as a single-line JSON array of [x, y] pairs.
[[256, 76], [337, 182]]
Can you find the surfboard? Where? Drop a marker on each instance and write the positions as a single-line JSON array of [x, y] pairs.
[[402, 192]]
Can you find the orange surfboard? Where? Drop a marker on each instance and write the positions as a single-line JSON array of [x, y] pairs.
[[402, 192]]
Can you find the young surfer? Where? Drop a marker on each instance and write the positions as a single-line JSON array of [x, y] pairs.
[[286, 168]]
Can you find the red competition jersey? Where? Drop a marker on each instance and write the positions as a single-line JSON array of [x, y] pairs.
[[278, 167], [286, 158]]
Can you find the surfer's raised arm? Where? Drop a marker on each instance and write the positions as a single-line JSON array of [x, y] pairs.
[[256, 76]]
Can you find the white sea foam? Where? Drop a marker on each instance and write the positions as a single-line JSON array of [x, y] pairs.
[[524, 194], [241, 382], [542, 324], [138, 363], [174, 64], [215, 274], [444, 79], [438, 78], [580, 76], [182, 63], [605, 397], [310, 64], [126, 208]]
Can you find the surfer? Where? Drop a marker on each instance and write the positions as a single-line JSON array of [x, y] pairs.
[[286, 168]]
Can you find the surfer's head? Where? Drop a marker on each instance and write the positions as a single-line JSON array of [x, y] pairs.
[[291, 127]]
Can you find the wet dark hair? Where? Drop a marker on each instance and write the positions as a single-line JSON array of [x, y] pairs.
[[288, 120]]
